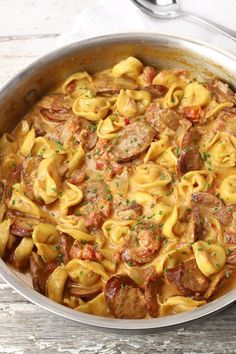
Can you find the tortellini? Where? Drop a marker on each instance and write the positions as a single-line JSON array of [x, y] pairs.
[[108, 128], [227, 189], [172, 259], [168, 78], [172, 97], [8, 145], [157, 148], [178, 304], [150, 178], [4, 235], [130, 67], [210, 258], [97, 306], [46, 185], [76, 82], [46, 239], [75, 160], [214, 108], [220, 150], [91, 108], [71, 197], [95, 267], [20, 202], [194, 181], [43, 147], [116, 230], [22, 252], [28, 143], [56, 284], [195, 94], [131, 103]]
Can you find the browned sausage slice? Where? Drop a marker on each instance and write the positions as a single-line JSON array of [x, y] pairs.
[[134, 139], [226, 121], [124, 297], [40, 271], [143, 243], [152, 289], [206, 200], [221, 91], [23, 227], [162, 118], [190, 158], [230, 237], [38, 274], [225, 214], [65, 242], [195, 225], [56, 107], [156, 91], [188, 279], [12, 178], [231, 258], [29, 174]]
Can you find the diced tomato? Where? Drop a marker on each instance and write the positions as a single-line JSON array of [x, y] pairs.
[[148, 74], [192, 113], [71, 86], [127, 121], [100, 165]]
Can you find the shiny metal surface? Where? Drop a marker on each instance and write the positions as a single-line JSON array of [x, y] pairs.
[[168, 9], [164, 51]]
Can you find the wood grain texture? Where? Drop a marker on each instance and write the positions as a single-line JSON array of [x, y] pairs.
[[29, 28]]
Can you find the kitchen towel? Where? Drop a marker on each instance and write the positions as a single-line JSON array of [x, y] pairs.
[[118, 16]]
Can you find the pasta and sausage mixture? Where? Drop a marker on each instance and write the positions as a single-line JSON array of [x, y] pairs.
[[118, 192]]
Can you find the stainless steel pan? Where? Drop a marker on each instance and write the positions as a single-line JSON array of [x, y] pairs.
[[164, 51]]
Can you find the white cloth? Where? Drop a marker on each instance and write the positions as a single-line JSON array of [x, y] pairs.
[[119, 16]]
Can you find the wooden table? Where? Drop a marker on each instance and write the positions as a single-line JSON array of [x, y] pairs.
[[29, 28]]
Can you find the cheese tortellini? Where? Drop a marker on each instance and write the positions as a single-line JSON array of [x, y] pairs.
[[118, 191]]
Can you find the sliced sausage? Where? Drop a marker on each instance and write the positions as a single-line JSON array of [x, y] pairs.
[[143, 243], [23, 226], [190, 158], [230, 237], [38, 274], [133, 211], [221, 91], [207, 200], [12, 178], [195, 225], [65, 242], [162, 118], [85, 251], [134, 139], [156, 91], [152, 289], [226, 121], [56, 107], [149, 72], [40, 271], [124, 297], [1, 190], [188, 279], [225, 215], [29, 174], [231, 258]]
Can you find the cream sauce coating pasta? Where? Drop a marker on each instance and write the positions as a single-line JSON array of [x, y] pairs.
[[118, 192]]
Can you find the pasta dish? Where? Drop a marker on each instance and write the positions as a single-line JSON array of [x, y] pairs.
[[118, 192]]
